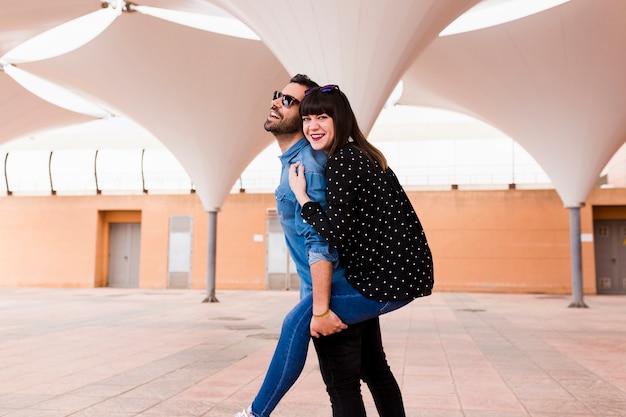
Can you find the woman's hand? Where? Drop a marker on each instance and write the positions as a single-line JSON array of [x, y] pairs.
[[327, 325], [297, 182]]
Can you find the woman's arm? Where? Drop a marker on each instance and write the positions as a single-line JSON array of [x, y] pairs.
[[297, 182], [336, 223]]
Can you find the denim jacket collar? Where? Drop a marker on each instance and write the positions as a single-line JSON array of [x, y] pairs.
[[294, 151]]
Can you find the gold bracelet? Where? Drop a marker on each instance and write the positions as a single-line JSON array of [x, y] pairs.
[[317, 316]]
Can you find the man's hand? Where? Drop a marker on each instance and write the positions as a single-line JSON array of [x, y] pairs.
[[327, 325]]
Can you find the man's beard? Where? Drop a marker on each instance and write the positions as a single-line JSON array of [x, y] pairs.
[[284, 126]]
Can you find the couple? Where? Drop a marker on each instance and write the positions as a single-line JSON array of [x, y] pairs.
[[358, 246]]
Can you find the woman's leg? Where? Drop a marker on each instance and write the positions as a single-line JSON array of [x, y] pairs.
[[353, 307], [376, 373], [365, 353], [354, 354], [339, 357], [291, 350], [288, 359]]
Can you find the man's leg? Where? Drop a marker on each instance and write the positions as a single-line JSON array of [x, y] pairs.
[[288, 359], [339, 357], [376, 373]]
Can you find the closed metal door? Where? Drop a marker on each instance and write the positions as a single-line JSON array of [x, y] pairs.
[[281, 270], [610, 254], [179, 254], [124, 243]]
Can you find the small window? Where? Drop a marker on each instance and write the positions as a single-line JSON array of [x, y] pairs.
[[603, 231]]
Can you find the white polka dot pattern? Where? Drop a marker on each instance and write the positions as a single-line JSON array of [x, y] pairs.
[[372, 223]]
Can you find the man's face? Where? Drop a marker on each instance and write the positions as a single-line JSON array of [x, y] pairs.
[[285, 119]]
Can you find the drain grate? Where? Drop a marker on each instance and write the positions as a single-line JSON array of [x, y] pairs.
[[264, 336], [244, 327], [226, 318]]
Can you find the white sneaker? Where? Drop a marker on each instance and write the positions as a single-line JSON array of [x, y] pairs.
[[245, 413]]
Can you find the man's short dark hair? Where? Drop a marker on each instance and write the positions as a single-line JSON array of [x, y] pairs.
[[304, 80]]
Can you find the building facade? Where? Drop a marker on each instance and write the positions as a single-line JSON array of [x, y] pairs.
[[513, 241]]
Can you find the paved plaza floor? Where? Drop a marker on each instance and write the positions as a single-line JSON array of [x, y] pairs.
[[109, 352]]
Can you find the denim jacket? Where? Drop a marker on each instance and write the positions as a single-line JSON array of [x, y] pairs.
[[305, 245]]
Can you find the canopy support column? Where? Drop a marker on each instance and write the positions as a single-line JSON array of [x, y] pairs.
[[210, 276], [576, 258]]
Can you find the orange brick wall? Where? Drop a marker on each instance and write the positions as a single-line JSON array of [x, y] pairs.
[[59, 241], [241, 259], [493, 241]]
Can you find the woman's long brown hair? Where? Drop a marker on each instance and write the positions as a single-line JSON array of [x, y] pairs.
[[334, 103]]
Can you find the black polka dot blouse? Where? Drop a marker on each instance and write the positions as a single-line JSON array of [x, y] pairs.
[[372, 223]]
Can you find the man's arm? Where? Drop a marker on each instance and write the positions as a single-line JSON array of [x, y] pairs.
[[321, 257], [324, 321]]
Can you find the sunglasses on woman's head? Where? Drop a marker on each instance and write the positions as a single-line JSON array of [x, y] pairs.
[[325, 89], [287, 100]]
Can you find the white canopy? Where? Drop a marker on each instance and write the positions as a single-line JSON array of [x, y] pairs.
[[21, 112], [552, 81], [21, 20], [364, 46], [205, 96]]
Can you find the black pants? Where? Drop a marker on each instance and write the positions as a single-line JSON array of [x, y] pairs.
[[351, 355]]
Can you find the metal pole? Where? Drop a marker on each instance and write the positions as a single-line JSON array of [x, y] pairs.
[[52, 190], [210, 276], [288, 272], [143, 174], [576, 259], [95, 171], [6, 175]]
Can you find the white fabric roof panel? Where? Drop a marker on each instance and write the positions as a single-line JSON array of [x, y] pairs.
[[205, 96], [20, 20], [553, 81], [22, 113], [364, 46]]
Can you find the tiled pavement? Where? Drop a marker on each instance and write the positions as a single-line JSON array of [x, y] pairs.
[[152, 353]]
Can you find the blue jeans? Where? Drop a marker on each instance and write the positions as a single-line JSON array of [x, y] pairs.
[[293, 343]]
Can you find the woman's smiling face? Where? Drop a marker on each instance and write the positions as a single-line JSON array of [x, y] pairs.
[[319, 130]]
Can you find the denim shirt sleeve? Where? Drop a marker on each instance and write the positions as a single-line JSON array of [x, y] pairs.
[[317, 247]]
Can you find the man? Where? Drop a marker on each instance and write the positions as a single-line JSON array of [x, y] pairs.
[[313, 257], [346, 354]]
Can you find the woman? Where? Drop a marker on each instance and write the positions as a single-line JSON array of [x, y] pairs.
[[369, 218], [352, 307]]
